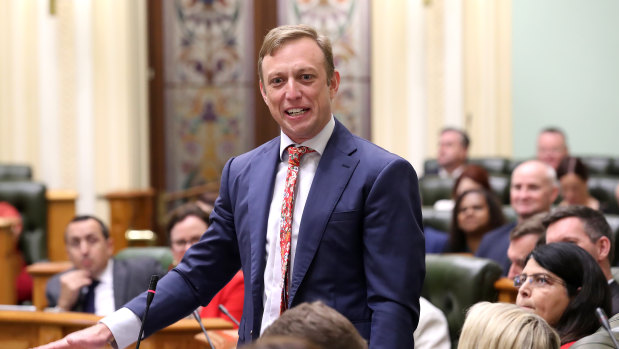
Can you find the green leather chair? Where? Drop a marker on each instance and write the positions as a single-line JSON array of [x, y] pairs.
[[454, 283], [602, 187], [29, 199], [493, 164], [433, 188], [437, 219], [12, 172], [500, 186], [614, 167], [162, 254], [597, 164]]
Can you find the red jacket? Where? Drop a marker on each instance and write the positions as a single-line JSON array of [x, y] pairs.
[[231, 296]]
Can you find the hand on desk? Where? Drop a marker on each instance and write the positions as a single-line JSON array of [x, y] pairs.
[[70, 285], [96, 336]]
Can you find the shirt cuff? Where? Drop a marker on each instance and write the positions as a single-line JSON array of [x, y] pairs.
[[124, 325]]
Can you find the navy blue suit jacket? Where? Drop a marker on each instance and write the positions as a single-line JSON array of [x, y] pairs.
[[360, 248], [494, 246]]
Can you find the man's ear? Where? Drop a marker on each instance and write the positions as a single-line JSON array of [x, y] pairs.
[[334, 84], [110, 246], [554, 193], [603, 248], [263, 92]]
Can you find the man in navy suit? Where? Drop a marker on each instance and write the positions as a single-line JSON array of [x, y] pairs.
[[356, 242]]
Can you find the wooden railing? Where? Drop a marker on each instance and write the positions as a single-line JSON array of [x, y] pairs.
[[8, 263], [60, 211]]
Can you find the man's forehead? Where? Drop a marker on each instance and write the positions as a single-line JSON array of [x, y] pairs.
[[83, 228], [566, 228]]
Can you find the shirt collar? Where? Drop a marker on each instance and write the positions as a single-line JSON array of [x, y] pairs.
[[106, 276], [318, 143]]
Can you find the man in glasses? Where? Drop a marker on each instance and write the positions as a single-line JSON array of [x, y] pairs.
[[588, 229]]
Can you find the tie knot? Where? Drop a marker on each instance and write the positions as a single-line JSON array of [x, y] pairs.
[[295, 153], [94, 284]]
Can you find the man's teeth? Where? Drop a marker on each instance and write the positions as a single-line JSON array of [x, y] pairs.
[[295, 111]]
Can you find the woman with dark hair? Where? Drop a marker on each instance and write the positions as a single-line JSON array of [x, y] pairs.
[[573, 175], [476, 212], [472, 177], [564, 285]]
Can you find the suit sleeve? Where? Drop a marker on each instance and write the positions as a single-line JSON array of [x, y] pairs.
[[206, 267], [394, 257]]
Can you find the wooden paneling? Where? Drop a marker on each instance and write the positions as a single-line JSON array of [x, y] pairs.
[[60, 211], [8, 264], [129, 210], [28, 329]]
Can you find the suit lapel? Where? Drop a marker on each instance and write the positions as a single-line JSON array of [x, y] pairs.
[[334, 171], [263, 170], [119, 276]]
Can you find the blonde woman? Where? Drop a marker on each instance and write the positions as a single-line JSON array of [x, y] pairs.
[[506, 326]]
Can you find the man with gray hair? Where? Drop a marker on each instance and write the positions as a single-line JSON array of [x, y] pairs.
[[588, 229], [533, 189]]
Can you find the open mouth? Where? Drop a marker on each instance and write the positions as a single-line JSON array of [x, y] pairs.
[[296, 111]]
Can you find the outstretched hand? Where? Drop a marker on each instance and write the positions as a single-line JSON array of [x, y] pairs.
[[93, 337]]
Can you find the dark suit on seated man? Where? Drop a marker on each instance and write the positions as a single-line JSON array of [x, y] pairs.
[[352, 239], [97, 283]]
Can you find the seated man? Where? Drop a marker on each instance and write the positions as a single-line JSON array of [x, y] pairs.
[[533, 189], [453, 149], [98, 283], [522, 240], [186, 225], [319, 324], [588, 229], [551, 146]]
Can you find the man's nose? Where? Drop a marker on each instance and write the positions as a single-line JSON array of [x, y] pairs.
[[292, 89]]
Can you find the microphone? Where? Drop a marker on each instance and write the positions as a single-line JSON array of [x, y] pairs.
[[149, 298], [196, 316], [604, 321], [227, 313]]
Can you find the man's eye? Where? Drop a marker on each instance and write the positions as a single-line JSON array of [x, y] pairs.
[[276, 81], [306, 77]]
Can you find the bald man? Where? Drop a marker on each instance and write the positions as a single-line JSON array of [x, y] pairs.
[[533, 189]]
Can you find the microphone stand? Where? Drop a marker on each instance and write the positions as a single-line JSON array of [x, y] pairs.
[[227, 313], [149, 299], [604, 321], [196, 316]]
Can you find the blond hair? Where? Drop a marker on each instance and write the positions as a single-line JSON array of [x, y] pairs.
[[505, 326], [279, 36]]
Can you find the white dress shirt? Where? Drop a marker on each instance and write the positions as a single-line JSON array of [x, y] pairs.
[[307, 168], [104, 292], [125, 325]]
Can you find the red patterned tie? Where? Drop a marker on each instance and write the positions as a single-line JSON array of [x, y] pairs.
[[285, 229]]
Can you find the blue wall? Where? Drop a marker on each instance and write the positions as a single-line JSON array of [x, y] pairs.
[[566, 73]]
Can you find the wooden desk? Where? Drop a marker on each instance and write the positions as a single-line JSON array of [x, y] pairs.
[[9, 265], [506, 290], [20, 329], [41, 272], [60, 211]]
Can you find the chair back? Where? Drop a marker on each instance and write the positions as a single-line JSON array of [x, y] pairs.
[[454, 283], [14, 172], [29, 199], [161, 254]]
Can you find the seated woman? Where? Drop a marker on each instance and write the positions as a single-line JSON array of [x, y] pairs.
[[186, 225], [564, 285], [472, 177], [476, 212], [573, 175], [504, 325]]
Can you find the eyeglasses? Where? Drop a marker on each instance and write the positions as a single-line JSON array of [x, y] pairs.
[[178, 244], [537, 280]]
